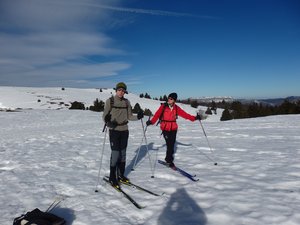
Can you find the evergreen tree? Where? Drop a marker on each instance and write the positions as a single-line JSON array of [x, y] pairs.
[[194, 103], [214, 107], [253, 110], [77, 105], [238, 110], [226, 115], [137, 108], [208, 111], [148, 112], [147, 96], [287, 108], [98, 106], [142, 95]]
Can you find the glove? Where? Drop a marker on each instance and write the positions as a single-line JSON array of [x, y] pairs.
[[140, 115], [198, 117], [148, 123], [112, 124], [107, 118]]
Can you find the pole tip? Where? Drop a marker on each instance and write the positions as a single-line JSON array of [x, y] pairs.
[[216, 164]]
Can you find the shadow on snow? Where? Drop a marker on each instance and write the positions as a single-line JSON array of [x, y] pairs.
[[139, 156], [182, 210], [67, 214]]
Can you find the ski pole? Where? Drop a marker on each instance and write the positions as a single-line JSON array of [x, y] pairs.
[[98, 179], [147, 149], [146, 142], [208, 142], [138, 153], [55, 203]]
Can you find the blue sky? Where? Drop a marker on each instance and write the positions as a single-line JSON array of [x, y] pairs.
[[243, 49]]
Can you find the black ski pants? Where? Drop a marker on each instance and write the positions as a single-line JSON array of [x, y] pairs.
[[170, 138], [118, 143]]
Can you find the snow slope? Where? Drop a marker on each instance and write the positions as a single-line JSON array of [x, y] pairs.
[[56, 98], [49, 154]]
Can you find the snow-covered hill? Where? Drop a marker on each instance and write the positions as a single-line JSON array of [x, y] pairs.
[[57, 98]]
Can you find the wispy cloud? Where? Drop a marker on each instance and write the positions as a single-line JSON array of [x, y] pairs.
[[46, 44], [146, 11]]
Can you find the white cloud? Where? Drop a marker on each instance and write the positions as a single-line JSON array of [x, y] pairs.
[[46, 41], [67, 75]]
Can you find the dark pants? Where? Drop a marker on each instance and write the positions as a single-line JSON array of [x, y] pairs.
[[118, 143], [170, 138]]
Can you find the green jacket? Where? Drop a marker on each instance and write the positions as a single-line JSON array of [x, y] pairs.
[[120, 111]]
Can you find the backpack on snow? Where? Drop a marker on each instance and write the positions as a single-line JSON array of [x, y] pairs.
[[37, 217]]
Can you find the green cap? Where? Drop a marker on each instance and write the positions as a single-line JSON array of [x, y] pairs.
[[121, 85]]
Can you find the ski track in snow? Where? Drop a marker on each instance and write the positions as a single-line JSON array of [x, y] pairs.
[[49, 153]]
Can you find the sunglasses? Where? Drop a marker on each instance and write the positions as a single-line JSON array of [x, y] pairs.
[[171, 98], [121, 89]]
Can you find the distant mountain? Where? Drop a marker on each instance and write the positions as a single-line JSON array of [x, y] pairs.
[[210, 99], [271, 101]]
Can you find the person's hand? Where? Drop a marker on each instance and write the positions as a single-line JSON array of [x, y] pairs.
[[148, 123], [140, 115], [107, 118], [112, 124], [198, 117]]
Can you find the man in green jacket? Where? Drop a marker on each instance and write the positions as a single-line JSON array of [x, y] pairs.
[[117, 112]]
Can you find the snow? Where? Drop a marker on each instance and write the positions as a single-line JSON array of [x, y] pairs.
[[50, 154]]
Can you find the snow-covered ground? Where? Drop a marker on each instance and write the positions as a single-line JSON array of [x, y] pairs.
[[13, 98], [48, 154]]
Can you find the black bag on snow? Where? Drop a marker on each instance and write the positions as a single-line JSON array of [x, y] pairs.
[[37, 217]]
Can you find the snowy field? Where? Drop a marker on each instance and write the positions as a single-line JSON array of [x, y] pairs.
[[50, 154]]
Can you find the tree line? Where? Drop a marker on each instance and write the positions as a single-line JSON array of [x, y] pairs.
[[237, 110], [98, 106], [232, 110]]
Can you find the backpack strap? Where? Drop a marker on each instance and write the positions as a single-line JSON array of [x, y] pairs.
[[112, 101], [162, 114]]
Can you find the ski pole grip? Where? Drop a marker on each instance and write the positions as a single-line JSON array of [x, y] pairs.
[[104, 127]]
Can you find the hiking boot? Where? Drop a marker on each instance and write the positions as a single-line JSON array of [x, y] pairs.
[[123, 179], [114, 183], [112, 177], [172, 165]]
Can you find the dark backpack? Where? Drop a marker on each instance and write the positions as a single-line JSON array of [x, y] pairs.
[[37, 217]]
